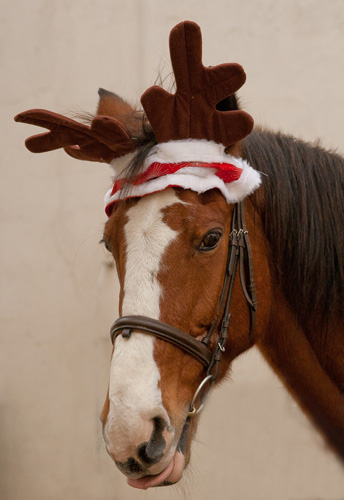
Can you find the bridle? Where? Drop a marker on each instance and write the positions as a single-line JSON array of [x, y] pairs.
[[239, 255]]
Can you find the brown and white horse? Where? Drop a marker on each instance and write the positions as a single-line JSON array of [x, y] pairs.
[[172, 251]]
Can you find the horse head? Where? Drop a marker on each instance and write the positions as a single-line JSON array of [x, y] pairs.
[[177, 232]]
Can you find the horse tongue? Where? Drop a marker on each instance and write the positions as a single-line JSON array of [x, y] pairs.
[[148, 481]]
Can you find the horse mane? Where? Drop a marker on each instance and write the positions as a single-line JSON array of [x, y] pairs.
[[301, 204]]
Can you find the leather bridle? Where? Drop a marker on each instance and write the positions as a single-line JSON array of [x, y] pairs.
[[239, 255]]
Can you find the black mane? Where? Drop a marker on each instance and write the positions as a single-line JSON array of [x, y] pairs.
[[301, 203]]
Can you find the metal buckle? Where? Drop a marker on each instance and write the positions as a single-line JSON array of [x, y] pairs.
[[193, 411]]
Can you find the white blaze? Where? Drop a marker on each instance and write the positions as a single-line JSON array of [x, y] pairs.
[[135, 397], [147, 238]]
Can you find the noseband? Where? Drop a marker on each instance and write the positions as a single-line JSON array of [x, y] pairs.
[[239, 255]]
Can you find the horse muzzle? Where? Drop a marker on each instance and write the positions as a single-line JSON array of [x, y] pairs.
[[148, 455]]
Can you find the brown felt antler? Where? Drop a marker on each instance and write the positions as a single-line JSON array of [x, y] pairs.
[[105, 139], [191, 112]]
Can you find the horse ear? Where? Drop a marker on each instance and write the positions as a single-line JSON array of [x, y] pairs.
[[111, 104], [229, 103]]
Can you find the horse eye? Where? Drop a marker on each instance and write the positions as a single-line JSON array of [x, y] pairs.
[[210, 240], [106, 244]]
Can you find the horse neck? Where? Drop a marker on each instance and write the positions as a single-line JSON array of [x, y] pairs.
[[298, 364]]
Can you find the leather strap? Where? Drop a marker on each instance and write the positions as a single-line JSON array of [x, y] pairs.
[[246, 273], [163, 331]]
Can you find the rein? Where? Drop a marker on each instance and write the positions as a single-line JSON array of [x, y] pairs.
[[239, 256]]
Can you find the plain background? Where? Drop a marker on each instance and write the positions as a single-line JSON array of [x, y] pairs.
[[59, 290]]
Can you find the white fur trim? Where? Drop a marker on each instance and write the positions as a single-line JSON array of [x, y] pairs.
[[187, 150], [198, 179]]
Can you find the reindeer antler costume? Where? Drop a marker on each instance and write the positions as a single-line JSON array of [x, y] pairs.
[[191, 133]]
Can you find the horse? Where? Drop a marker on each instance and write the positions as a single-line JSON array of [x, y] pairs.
[[203, 279]]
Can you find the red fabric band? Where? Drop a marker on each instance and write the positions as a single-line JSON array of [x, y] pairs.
[[225, 171]]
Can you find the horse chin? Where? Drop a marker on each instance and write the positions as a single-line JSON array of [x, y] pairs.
[[170, 475]]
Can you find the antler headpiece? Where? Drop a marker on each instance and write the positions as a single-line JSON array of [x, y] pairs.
[[191, 133]]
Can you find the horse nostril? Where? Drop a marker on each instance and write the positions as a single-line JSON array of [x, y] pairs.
[[151, 452], [130, 466]]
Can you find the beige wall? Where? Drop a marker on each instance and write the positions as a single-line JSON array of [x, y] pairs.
[[59, 292]]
